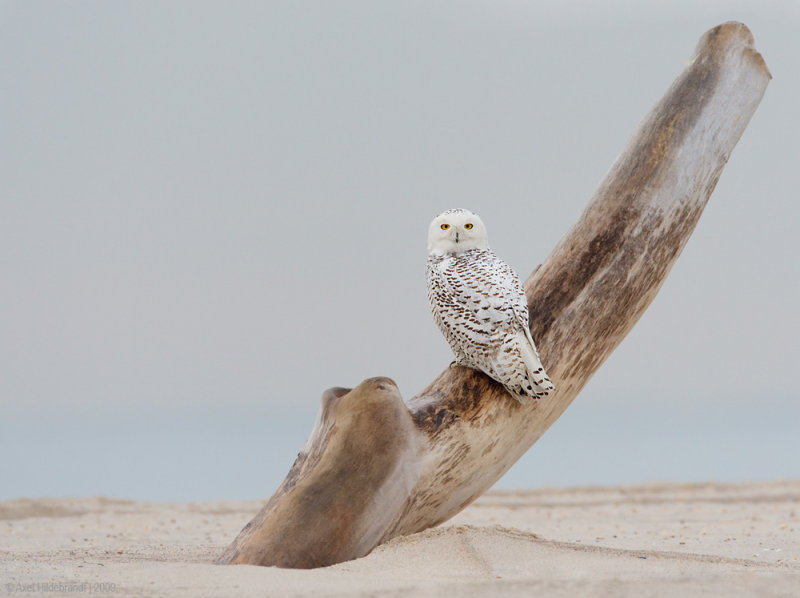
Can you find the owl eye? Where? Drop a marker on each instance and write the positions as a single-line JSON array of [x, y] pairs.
[[445, 226], [468, 225]]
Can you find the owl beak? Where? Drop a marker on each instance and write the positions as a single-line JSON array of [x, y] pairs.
[[456, 237]]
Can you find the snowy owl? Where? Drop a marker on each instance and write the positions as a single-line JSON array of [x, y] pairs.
[[478, 303]]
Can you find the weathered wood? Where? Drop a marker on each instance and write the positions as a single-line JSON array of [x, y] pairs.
[[349, 480], [375, 468]]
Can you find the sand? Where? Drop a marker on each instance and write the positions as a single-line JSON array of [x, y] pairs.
[[646, 540]]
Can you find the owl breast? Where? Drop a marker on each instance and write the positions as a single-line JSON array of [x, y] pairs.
[[478, 303]]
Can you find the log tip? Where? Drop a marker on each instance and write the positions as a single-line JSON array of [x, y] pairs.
[[377, 384], [380, 383], [376, 399], [331, 395], [379, 393], [731, 36]]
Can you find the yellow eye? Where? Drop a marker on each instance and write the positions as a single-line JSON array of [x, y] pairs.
[[445, 226], [468, 226]]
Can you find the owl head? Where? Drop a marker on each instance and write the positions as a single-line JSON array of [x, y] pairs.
[[456, 231]]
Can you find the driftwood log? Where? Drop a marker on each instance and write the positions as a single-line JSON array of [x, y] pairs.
[[375, 467]]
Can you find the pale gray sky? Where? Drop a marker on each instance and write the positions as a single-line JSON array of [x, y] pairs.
[[217, 210]]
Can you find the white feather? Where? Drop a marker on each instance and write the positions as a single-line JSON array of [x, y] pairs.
[[478, 302]]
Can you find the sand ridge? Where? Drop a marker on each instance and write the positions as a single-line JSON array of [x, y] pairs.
[[644, 540]]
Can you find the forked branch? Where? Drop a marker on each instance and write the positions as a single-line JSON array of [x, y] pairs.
[[375, 468]]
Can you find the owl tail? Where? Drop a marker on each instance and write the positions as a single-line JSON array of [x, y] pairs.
[[535, 382]]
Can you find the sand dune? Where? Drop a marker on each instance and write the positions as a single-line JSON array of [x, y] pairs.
[[645, 540]]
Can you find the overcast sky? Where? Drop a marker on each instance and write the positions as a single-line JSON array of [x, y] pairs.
[[221, 207]]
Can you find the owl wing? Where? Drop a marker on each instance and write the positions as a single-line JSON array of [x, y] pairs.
[[474, 303], [493, 324]]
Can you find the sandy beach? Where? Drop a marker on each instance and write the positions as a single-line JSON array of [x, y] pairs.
[[653, 539]]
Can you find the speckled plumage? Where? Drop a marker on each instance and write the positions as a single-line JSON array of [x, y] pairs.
[[479, 304]]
